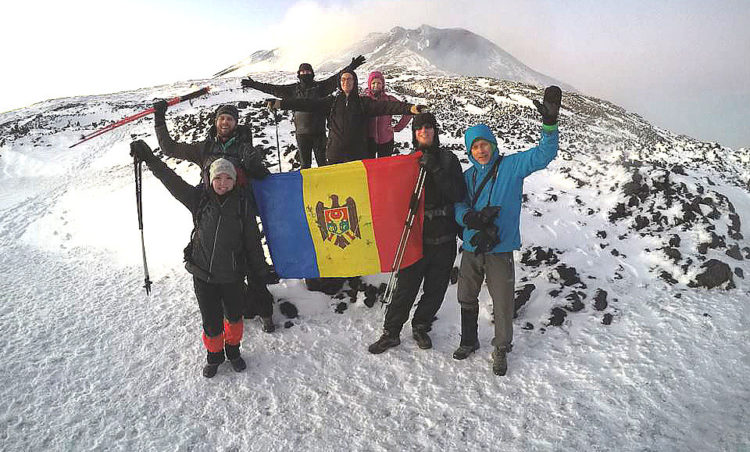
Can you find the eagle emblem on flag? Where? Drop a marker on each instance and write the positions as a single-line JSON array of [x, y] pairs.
[[338, 224]]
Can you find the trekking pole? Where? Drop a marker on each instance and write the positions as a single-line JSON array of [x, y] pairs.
[[401, 249], [139, 204], [278, 149], [122, 122]]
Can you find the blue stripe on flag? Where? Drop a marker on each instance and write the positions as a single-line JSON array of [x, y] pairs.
[[282, 210]]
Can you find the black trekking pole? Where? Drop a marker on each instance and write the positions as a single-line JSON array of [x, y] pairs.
[[137, 163], [278, 149], [401, 249]]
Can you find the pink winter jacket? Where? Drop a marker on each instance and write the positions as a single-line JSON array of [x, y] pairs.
[[379, 127]]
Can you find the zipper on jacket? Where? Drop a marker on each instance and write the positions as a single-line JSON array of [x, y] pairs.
[[216, 236]]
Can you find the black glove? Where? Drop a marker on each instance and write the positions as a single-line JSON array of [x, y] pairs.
[[485, 240], [248, 82], [160, 110], [474, 220], [252, 162], [489, 213], [550, 106], [430, 161], [356, 62], [140, 150]]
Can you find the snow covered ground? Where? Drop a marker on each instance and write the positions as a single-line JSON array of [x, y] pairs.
[[91, 362]]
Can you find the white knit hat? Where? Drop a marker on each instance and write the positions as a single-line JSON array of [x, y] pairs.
[[220, 166]]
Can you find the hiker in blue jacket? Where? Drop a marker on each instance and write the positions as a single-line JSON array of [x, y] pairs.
[[490, 216]]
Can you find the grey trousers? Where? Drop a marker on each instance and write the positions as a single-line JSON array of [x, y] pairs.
[[501, 278]]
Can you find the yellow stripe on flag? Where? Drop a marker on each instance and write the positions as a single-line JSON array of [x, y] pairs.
[[337, 207]]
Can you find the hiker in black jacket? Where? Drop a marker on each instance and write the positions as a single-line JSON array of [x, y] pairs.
[[226, 139], [444, 186], [310, 126], [347, 117], [222, 251]]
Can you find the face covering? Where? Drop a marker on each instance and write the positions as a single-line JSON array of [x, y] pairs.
[[306, 79]]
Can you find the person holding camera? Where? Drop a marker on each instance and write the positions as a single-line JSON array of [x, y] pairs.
[[490, 216], [443, 187]]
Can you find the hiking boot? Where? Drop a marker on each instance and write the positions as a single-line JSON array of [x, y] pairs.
[[499, 362], [213, 359], [209, 370], [384, 343], [423, 339], [267, 324], [238, 364], [463, 351]]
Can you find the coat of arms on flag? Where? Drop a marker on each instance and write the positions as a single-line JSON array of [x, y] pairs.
[[336, 223]]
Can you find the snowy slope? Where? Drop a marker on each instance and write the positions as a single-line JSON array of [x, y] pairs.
[[425, 50], [620, 344]]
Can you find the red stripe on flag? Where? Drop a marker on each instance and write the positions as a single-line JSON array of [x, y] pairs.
[[391, 181]]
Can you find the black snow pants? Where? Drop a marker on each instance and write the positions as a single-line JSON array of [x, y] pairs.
[[435, 269], [217, 302], [308, 144]]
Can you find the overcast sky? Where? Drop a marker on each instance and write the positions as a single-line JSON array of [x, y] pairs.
[[683, 65]]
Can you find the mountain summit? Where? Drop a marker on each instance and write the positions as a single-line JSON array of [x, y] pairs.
[[426, 50]]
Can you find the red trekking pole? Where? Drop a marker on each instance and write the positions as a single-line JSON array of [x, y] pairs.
[[170, 102]]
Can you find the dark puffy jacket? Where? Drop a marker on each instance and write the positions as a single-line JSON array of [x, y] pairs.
[[442, 189], [239, 150], [347, 121], [224, 246], [305, 123]]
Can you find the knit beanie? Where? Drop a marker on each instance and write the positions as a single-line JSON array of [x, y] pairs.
[[222, 166], [228, 109]]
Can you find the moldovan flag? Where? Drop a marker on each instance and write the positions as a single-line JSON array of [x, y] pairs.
[[340, 220]]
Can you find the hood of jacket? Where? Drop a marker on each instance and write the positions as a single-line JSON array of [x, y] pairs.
[[355, 90], [481, 131], [373, 75]]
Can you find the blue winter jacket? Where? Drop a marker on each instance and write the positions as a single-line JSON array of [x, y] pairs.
[[506, 190]]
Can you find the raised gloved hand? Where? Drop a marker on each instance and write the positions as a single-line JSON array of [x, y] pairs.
[[419, 109], [252, 162], [247, 82], [140, 150], [273, 104], [550, 106], [430, 161], [357, 62], [160, 110]]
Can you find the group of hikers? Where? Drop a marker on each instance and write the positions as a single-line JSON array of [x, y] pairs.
[[482, 204]]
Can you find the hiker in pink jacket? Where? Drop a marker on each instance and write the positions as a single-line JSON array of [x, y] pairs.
[[380, 131]]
